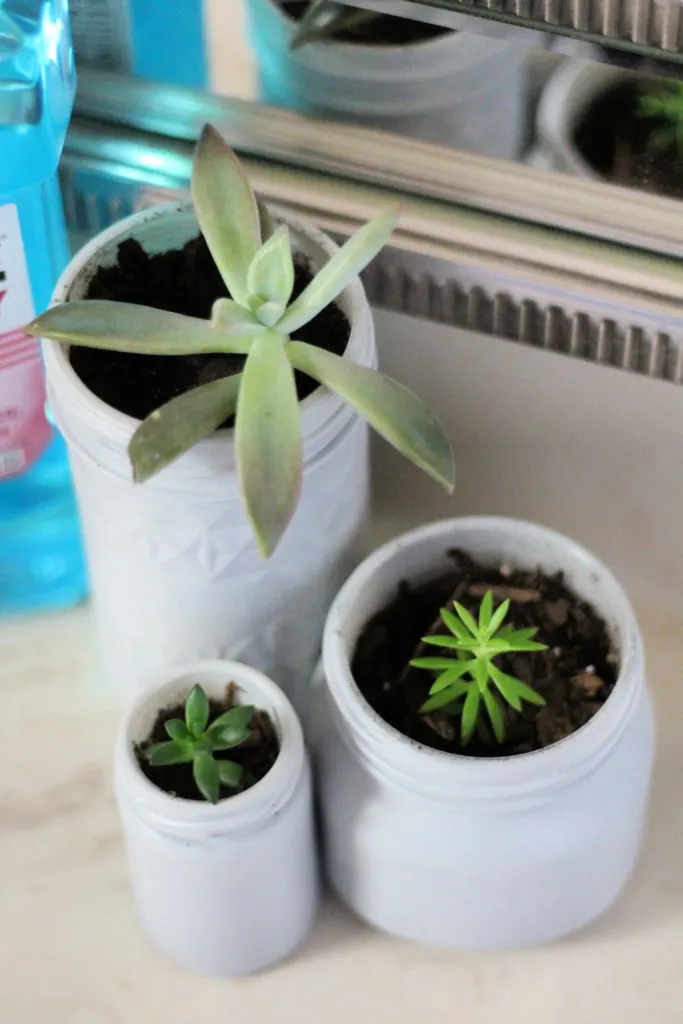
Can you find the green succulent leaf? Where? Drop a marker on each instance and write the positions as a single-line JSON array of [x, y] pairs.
[[340, 270], [509, 632], [506, 686], [268, 440], [445, 697], [172, 752], [398, 415], [527, 645], [485, 611], [226, 209], [453, 623], [180, 424], [466, 619], [498, 646], [197, 711], [125, 327], [229, 773], [240, 323], [271, 277], [177, 730], [440, 640], [514, 690], [495, 713], [452, 675], [231, 728], [437, 664], [324, 19], [206, 777], [470, 712], [480, 672], [498, 616], [267, 313], [239, 717]]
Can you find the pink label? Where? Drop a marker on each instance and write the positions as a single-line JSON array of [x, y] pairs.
[[24, 430]]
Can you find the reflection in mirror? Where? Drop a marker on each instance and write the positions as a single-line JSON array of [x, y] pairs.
[[553, 103]]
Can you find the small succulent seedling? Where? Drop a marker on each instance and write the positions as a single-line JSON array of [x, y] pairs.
[[665, 104], [467, 678], [324, 19], [194, 742], [257, 322]]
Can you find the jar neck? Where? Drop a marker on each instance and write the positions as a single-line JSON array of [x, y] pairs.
[[197, 820], [422, 554]]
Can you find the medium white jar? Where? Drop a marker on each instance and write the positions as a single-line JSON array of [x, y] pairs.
[[466, 852], [175, 571], [226, 888], [566, 99], [462, 89]]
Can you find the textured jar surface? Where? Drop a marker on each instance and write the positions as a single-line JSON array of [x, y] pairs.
[[480, 853]]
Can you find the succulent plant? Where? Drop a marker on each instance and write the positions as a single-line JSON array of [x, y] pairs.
[[257, 322], [664, 103], [324, 19], [467, 678], [195, 741]]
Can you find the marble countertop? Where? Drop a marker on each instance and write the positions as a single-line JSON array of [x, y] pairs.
[[72, 952]]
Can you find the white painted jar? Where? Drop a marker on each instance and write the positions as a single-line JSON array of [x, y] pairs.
[[465, 90], [226, 888], [465, 852], [175, 572], [569, 94]]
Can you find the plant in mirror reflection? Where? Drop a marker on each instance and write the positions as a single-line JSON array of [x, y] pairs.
[[325, 19], [195, 741], [663, 103], [259, 322], [467, 680]]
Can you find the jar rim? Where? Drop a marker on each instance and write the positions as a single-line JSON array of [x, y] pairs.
[[185, 818], [442, 773]]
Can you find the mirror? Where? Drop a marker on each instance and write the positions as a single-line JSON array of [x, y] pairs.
[[555, 103], [492, 88]]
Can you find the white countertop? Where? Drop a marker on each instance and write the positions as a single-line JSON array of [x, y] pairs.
[[71, 950]]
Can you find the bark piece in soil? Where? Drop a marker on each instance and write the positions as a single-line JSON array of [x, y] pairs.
[[615, 140], [385, 30], [575, 675], [181, 281], [257, 754]]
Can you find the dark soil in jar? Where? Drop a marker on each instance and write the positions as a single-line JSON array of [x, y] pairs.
[[385, 30], [575, 674], [181, 281], [616, 140], [257, 754]]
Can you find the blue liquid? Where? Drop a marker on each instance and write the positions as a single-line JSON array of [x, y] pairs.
[[169, 41], [162, 40], [41, 557]]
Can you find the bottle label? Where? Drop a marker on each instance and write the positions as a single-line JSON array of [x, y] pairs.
[[24, 429], [101, 33]]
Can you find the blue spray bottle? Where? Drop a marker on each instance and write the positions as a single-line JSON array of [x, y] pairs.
[[162, 40], [41, 558]]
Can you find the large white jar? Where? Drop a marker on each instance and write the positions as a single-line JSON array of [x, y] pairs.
[[175, 572], [468, 852], [226, 888]]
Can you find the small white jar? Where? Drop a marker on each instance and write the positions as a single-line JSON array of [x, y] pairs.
[[467, 852], [226, 888]]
